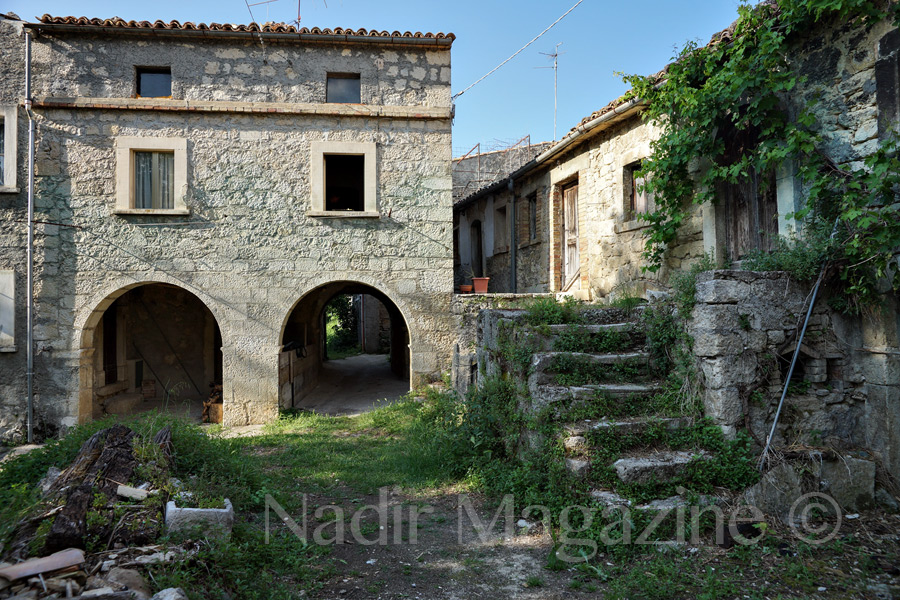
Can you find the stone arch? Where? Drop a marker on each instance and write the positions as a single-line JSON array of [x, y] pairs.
[[303, 336], [89, 324]]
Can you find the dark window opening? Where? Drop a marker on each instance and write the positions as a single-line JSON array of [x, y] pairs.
[[344, 182], [154, 82], [477, 255], [887, 83], [532, 217], [501, 230], [343, 88]]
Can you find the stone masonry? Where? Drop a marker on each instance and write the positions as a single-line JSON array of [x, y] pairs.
[[250, 244]]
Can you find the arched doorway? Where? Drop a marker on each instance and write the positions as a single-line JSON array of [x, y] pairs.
[[318, 376], [150, 346]]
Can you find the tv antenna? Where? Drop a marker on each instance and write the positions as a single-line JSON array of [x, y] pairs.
[[267, 3], [555, 56], [297, 22]]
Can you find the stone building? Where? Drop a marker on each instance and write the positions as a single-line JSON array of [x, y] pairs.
[[201, 192], [565, 222]]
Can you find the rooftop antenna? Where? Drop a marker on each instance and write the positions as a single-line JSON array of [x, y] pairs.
[[267, 3], [555, 56]]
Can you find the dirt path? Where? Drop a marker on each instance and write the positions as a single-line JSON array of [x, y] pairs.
[[437, 553]]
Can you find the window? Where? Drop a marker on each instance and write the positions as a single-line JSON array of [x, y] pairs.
[[151, 175], [532, 217], [501, 228], [7, 311], [344, 181], [154, 82], [637, 200], [887, 83], [343, 88], [154, 180], [8, 122], [342, 176], [2, 150]]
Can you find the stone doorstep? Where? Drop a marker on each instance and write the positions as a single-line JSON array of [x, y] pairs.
[[628, 426], [659, 466]]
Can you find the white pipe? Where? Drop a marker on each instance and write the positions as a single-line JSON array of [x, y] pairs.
[[29, 337]]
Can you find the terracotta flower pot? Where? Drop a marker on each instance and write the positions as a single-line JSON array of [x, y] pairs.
[[480, 284], [465, 289]]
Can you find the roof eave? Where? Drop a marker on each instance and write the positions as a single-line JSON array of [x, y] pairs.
[[441, 43]]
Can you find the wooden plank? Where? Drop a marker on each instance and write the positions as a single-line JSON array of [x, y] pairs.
[[35, 566]]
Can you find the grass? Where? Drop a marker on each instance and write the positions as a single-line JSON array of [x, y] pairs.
[[301, 453]]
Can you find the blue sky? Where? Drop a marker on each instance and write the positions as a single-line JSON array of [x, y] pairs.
[[598, 38]]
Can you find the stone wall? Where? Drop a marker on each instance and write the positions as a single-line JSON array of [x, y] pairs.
[[845, 391], [13, 237], [472, 172], [248, 249], [532, 255]]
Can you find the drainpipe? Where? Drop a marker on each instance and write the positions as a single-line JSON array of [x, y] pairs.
[[29, 337], [513, 244]]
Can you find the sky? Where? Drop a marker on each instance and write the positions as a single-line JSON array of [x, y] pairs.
[[599, 38]]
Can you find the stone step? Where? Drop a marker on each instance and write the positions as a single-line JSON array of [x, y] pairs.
[[627, 426], [123, 404], [543, 394], [620, 327], [542, 373], [609, 498], [660, 466]]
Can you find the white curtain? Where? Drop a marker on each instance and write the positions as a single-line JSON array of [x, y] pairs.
[[166, 162], [143, 179]]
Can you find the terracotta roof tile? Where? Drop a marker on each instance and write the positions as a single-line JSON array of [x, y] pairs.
[[119, 23]]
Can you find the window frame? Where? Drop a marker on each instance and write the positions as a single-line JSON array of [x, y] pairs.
[[151, 70], [318, 152], [126, 146], [9, 116]]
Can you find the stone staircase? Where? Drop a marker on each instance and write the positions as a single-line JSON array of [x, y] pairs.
[[602, 371]]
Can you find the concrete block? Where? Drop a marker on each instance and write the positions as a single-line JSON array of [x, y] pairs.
[[211, 521]]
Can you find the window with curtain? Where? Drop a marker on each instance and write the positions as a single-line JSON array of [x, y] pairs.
[[2, 146], [154, 180]]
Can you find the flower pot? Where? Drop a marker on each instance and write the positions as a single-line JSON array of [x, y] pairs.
[[480, 284], [465, 289]]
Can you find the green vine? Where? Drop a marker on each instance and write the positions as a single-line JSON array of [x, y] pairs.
[[730, 103]]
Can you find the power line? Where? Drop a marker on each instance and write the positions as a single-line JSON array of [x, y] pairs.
[[519, 51]]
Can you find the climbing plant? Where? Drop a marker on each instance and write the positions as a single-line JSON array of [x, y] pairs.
[[742, 88]]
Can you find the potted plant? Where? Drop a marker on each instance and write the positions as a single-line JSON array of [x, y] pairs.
[[480, 284], [465, 288]]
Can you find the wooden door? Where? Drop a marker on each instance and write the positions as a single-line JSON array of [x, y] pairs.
[[751, 215], [570, 234]]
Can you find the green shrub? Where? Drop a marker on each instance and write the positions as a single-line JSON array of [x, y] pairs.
[[547, 311]]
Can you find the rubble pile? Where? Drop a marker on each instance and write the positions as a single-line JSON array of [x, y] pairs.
[[93, 534]]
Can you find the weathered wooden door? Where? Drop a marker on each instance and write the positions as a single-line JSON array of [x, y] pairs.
[[751, 214], [570, 234]]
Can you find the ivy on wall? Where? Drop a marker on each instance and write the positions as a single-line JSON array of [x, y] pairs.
[[744, 85]]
